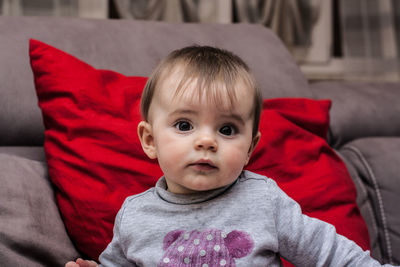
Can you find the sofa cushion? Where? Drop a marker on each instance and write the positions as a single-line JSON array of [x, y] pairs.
[[360, 109], [31, 152], [93, 151], [376, 163], [129, 47], [31, 230]]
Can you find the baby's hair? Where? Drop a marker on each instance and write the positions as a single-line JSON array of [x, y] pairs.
[[216, 73]]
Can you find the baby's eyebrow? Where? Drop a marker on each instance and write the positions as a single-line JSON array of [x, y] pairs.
[[234, 116]]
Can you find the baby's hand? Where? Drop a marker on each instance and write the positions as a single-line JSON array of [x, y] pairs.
[[81, 263]]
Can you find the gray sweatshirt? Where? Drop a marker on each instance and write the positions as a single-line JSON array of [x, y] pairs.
[[251, 222]]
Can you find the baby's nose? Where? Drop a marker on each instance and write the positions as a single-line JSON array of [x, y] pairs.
[[206, 142]]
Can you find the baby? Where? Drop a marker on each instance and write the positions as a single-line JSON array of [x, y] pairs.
[[201, 109]]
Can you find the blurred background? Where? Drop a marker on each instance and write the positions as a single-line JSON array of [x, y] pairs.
[[330, 39]]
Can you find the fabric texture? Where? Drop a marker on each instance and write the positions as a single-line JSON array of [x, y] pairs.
[[372, 158], [360, 109], [31, 230], [93, 151], [291, 21], [251, 222], [28, 152]]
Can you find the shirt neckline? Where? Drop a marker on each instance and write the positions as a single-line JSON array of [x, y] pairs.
[[187, 199]]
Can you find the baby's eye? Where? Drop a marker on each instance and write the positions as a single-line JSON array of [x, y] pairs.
[[183, 126], [227, 130]]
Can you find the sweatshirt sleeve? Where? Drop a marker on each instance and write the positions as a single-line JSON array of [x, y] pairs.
[[114, 254], [306, 241]]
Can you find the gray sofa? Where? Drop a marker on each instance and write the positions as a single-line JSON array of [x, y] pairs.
[[364, 126]]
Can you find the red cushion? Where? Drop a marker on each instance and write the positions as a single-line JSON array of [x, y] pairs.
[[93, 152], [95, 158]]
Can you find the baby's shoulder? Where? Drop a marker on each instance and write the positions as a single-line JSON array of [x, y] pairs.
[[256, 183], [254, 179], [144, 196], [260, 187], [134, 202]]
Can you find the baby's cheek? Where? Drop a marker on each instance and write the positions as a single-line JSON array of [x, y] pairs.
[[170, 153], [171, 159], [235, 158]]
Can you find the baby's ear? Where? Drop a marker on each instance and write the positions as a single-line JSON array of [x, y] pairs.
[[253, 146], [145, 133]]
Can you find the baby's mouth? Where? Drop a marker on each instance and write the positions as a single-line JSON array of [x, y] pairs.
[[203, 165]]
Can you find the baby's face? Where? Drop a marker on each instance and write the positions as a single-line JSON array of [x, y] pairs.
[[200, 145]]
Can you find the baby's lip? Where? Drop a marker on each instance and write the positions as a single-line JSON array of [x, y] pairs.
[[204, 164]]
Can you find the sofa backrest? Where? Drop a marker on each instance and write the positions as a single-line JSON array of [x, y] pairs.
[[360, 109], [131, 48]]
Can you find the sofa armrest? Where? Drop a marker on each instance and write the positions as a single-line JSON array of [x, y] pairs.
[[31, 228], [374, 164]]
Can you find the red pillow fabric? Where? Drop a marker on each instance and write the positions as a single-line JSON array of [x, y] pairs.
[[95, 159], [93, 152]]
